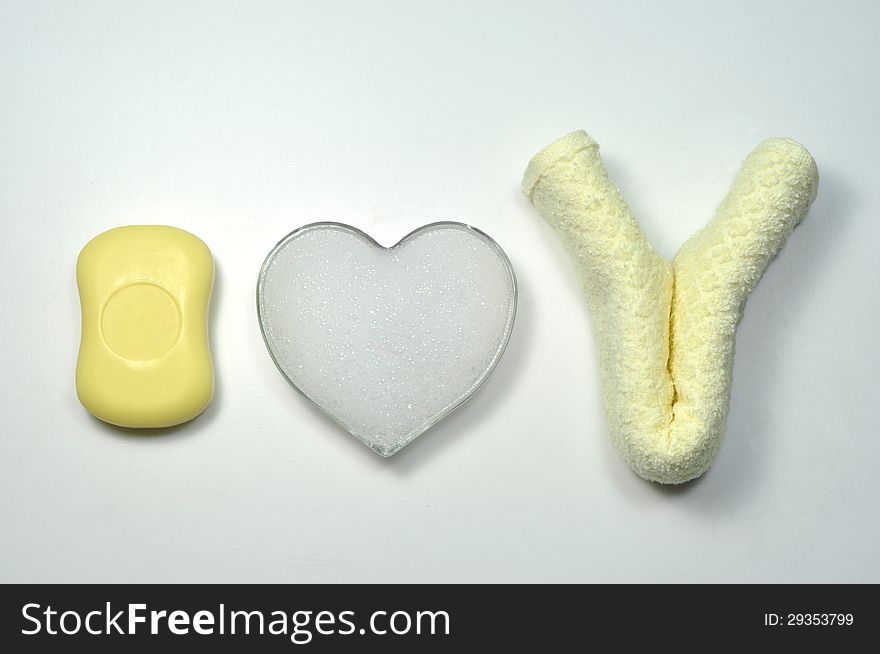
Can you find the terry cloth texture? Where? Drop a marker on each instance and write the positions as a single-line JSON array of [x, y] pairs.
[[666, 330]]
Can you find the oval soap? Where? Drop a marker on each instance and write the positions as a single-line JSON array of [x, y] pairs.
[[144, 358]]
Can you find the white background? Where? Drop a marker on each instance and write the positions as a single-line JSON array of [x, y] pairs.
[[240, 122]]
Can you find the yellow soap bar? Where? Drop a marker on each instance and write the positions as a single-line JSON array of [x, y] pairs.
[[144, 359]]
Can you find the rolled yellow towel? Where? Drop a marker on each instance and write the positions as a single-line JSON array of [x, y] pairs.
[[666, 330]]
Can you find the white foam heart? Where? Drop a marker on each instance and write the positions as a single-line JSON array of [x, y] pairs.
[[386, 341]]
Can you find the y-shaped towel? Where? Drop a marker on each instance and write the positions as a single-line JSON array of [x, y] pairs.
[[666, 331]]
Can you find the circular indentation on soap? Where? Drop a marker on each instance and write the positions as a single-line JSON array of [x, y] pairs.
[[140, 322]]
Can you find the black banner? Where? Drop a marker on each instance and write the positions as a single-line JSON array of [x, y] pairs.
[[428, 618]]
